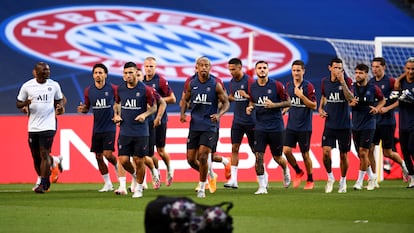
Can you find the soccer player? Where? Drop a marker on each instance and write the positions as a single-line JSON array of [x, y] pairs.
[[268, 97], [299, 123], [335, 109], [136, 104], [385, 120], [153, 123], [160, 84], [203, 94], [101, 97], [368, 100], [213, 156], [405, 83], [56, 164], [242, 124], [44, 100]]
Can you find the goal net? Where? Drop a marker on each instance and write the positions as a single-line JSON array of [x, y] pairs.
[[395, 50]]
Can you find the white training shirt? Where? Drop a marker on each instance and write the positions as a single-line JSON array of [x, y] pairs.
[[42, 109]]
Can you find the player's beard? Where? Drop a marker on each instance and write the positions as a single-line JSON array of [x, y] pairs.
[[131, 81], [204, 74], [360, 82]]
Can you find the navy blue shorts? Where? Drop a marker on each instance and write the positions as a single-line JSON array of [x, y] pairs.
[[239, 130], [103, 141], [273, 139], [302, 138], [363, 138], [160, 135], [133, 146], [330, 136], [197, 138], [41, 139], [384, 133]]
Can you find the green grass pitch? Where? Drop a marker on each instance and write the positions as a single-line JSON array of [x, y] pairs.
[[80, 208]]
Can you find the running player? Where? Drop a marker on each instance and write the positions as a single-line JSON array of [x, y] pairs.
[[367, 101], [204, 94], [101, 97], [405, 83], [160, 84], [242, 124], [44, 99], [385, 120], [299, 123], [268, 97], [335, 109], [136, 105]]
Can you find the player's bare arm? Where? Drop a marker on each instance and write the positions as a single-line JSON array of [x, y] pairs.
[[349, 96], [250, 108], [185, 101], [59, 107], [322, 104], [150, 110], [170, 99], [82, 108], [386, 109], [397, 84], [162, 106], [21, 104], [376, 109], [117, 113], [270, 104], [224, 100]]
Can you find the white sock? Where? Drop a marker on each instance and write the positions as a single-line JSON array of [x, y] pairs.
[[361, 175], [370, 174], [122, 182], [266, 178], [343, 180], [404, 166], [262, 182], [38, 180], [107, 179], [286, 170], [155, 174], [225, 161], [202, 186], [234, 173], [55, 161], [134, 181], [210, 166], [331, 176]]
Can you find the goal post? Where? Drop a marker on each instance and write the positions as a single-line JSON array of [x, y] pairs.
[[395, 50], [396, 41]]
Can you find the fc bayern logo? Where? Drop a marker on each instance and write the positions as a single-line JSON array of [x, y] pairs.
[[81, 36]]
